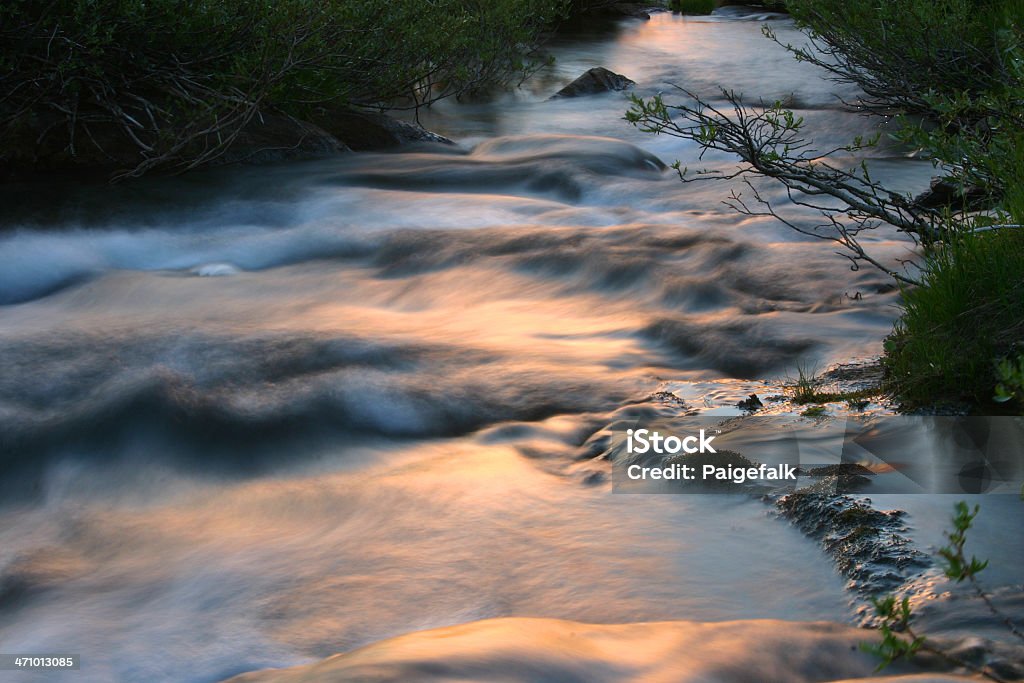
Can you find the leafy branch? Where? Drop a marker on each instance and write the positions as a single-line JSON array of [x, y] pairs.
[[770, 141], [899, 640]]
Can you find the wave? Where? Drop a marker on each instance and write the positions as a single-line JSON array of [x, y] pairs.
[[521, 649]]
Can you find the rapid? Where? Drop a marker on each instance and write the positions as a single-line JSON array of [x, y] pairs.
[[256, 416]]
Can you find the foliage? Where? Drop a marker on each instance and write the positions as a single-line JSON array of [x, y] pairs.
[[807, 385], [814, 411], [904, 53], [969, 312], [771, 142], [952, 71], [177, 80], [954, 562], [1010, 374], [899, 639]]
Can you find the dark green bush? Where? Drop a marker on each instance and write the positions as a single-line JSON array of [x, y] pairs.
[[902, 52], [968, 315], [174, 80]]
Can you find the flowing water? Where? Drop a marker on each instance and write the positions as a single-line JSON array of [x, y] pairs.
[[257, 416]]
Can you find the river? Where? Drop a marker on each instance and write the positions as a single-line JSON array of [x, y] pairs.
[[254, 417]]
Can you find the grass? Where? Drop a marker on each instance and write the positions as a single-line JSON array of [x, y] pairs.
[[692, 6], [806, 388], [958, 326]]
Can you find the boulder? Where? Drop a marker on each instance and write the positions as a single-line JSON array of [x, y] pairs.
[[364, 131], [628, 9], [273, 138], [944, 192], [596, 80]]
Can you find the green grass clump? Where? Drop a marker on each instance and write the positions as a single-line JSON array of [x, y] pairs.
[[968, 315], [692, 6], [806, 388]]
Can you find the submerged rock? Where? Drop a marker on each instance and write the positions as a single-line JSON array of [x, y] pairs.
[[216, 270], [596, 80]]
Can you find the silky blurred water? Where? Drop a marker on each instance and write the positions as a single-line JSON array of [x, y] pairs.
[[257, 416]]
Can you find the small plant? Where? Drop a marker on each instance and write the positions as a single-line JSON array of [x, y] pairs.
[[1010, 374], [899, 640], [806, 386], [955, 564], [959, 568]]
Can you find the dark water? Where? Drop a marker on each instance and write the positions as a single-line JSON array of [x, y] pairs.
[[255, 417]]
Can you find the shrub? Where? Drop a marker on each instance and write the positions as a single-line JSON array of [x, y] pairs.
[[173, 81], [968, 313]]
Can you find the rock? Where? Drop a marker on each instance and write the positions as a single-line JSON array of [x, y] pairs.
[[751, 403], [364, 131], [627, 9], [596, 80], [273, 138], [945, 192]]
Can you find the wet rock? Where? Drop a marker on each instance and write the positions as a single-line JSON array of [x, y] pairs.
[[944, 192], [868, 546], [751, 403], [846, 468], [628, 9], [596, 80], [369, 131], [270, 139], [848, 476]]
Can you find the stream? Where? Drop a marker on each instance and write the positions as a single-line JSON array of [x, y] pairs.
[[256, 416]]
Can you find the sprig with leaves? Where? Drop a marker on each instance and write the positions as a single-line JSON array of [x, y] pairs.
[[899, 639]]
